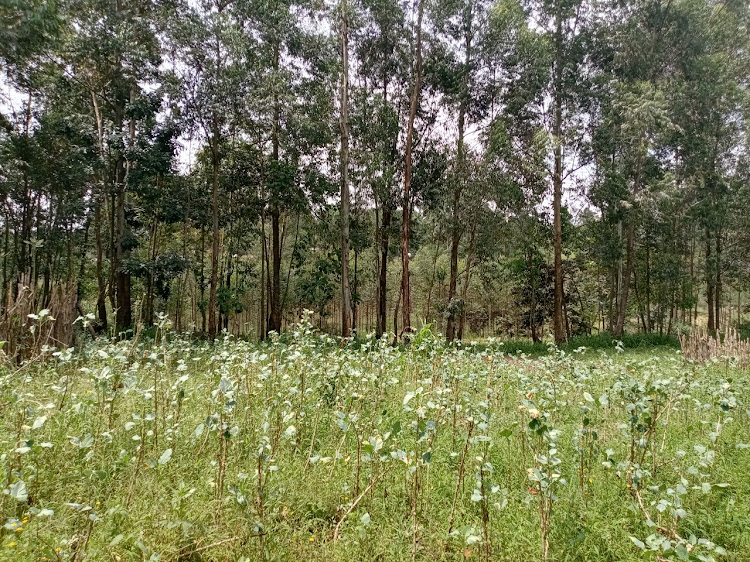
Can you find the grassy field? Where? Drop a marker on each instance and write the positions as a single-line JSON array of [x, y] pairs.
[[305, 450]]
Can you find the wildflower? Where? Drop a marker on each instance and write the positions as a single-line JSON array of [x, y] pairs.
[[25, 520], [58, 549], [312, 539], [12, 543], [19, 529]]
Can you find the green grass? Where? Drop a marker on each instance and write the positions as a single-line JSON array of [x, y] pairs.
[[153, 451], [601, 341]]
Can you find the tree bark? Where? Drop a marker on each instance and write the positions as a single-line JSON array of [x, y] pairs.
[[450, 328], [274, 321], [406, 213], [216, 163], [717, 295], [648, 285], [101, 295], [622, 305], [467, 279], [710, 279], [346, 316], [558, 319], [382, 312], [101, 307], [124, 316]]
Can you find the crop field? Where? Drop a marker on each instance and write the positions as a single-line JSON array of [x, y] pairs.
[[303, 449]]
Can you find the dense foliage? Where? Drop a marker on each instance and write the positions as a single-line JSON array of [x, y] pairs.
[[535, 168], [299, 448]]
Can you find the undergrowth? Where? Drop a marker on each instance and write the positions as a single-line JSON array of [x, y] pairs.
[[307, 449]]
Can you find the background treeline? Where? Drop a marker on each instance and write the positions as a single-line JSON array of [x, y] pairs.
[[535, 167]]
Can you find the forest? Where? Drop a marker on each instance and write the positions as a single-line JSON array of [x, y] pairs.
[[534, 169], [379, 280]]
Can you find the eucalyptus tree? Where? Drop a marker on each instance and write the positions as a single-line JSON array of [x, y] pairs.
[[381, 46], [709, 109], [346, 296], [408, 163], [539, 81], [211, 50], [515, 153], [47, 154], [158, 201], [292, 105], [28, 31], [668, 106], [641, 112], [462, 28], [109, 57], [561, 27]]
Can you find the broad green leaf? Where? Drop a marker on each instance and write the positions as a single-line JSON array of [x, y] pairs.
[[165, 456]]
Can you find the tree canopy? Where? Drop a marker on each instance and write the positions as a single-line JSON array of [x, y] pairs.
[[511, 168]]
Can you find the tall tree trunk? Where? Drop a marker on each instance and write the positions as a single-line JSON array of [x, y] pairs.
[[406, 213], [216, 163], [228, 278], [558, 319], [124, 316], [101, 295], [395, 313], [710, 280], [6, 251], [717, 295], [263, 320], [355, 295], [274, 323], [648, 285], [692, 276], [450, 328], [202, 281], [112, 290], [346, 317], [382, 312], [148, 306], [101, 307], [467, 279], [622, 305], [263, 312]]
